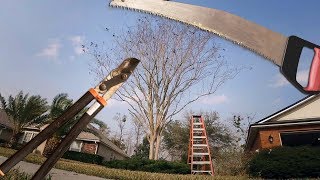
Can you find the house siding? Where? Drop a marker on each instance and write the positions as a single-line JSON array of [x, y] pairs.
[[264, 138], [306, 111], [257, 143], [275, 133], [108, 154]]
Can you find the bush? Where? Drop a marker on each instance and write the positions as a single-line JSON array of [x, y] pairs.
[[160, 166], [16, 174], [286, 162], [230, 162], [83, 157]]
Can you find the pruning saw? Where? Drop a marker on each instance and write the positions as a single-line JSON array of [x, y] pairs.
[[281, 50]]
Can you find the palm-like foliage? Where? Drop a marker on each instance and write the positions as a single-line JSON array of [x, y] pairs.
[[24, 110], [103, 127], [59, 105]]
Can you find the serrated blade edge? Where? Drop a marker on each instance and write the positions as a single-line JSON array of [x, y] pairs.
[[252, 36]]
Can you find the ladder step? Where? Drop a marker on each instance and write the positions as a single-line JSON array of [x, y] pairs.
[[200, 145], [200, 171], [197, 123], [198, 129], [199, 137], [200, 154], [201, 162]]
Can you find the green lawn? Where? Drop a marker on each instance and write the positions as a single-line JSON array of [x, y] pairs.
[[101, 171]]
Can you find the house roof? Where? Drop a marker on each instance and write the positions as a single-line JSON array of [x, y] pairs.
[[87, 136], [104, 140], [4, 120], [268, 121], [288, 108]]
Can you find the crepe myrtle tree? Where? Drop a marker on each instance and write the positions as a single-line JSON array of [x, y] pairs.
[[179, 65]]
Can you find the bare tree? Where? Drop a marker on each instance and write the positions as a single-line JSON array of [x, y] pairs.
[[121, 122], [179, 65], [241, 123], [138, 131]]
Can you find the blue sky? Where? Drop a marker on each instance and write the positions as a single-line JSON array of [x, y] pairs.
[[40, 41]]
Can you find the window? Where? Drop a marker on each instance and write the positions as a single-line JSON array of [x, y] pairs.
[[76, 146], [304, 138], [27, 136]]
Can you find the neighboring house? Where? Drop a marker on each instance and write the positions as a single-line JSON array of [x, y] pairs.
[[86, 142], [295, 125], [93, 142], [107, 149], [30, 132], [6, 127]]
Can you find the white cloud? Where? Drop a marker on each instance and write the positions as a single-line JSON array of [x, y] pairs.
[[77, 41], [213, 100], [280, 80], [52, 50]]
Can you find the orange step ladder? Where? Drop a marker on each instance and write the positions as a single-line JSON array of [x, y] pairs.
[[199, 156]]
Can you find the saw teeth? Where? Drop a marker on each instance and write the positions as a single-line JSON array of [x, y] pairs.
[[196, 26]]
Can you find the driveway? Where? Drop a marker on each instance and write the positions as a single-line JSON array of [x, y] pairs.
[[56, 174]]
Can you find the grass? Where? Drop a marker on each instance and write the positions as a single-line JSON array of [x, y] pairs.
[[101, 171], [16, 174]]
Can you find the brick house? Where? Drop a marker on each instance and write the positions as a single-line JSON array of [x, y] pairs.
[[295, 125]]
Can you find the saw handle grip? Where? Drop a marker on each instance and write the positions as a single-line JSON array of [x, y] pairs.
[[314, 75], [291, 61]]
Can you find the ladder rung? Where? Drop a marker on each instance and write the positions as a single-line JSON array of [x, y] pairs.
[[197, 123], [199, 137], [196, 171], [201, 162], [200, 154], [200, 145], [198, 129], [197, 148]]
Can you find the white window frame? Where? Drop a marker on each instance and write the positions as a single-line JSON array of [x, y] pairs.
[[75, 149], [33, 134]]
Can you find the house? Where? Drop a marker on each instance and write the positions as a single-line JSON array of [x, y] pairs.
[[295, 125], [30, 132], [92, 142], [107, 149], [6, 127]]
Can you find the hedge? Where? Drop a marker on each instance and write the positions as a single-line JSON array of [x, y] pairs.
[[286, 162], [83, 157], [159, 166]]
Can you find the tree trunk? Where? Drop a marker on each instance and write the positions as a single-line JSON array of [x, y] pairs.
[[151, 150], [157, 147], [13, 142]]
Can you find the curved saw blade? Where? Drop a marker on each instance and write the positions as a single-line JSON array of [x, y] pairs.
[[254, 37]]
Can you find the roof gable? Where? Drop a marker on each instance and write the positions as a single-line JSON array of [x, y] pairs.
[[307, 108]]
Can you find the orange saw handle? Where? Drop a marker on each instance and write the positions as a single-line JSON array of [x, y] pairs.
[[291, 61]]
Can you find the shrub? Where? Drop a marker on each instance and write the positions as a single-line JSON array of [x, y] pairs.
[[16, 174], [230, 162], [286, 162], [160, 166], [83, 157]]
